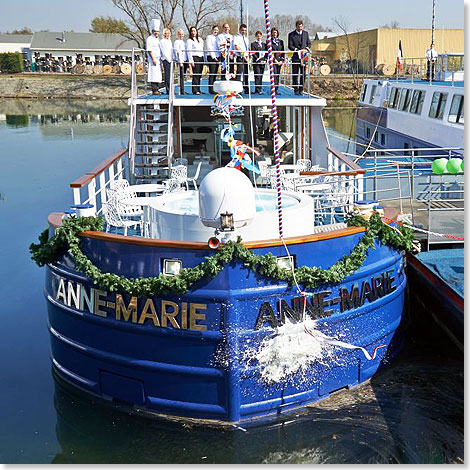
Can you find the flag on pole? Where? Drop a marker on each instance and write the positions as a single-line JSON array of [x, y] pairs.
[[400, 57]]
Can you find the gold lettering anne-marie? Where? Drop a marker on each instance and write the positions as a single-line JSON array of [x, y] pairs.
[[186, 316]]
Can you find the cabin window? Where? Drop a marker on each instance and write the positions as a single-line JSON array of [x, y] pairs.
[[368, 132], [407, 146], [382, 139], [376, 137], [417, 101], [438, 104], [363, 92], [456, 109], [372, 93], [394, 97], [404, 99]]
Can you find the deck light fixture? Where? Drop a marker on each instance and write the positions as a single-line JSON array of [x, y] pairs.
[[226, 222], [286, 262], [172, 267]]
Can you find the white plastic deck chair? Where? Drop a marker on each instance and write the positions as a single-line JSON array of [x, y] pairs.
[[195, 177], [113, 219], [304, 164]]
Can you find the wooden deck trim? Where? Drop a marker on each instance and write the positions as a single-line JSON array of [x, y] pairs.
[[89, 175], [55, 220], [332, 173], [345, 159]]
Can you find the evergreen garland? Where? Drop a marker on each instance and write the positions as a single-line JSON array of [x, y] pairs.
[[66, 239]]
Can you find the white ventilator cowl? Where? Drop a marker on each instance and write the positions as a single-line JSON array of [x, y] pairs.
[[226, 190]]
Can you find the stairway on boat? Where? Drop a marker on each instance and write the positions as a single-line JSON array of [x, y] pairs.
[[151, 143]]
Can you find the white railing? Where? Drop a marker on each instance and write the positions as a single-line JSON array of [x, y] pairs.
[[91, 187]]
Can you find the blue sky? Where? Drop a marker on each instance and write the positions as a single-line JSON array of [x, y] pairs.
[[57, 15]]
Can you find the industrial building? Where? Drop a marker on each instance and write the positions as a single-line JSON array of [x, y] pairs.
[[368, 49]]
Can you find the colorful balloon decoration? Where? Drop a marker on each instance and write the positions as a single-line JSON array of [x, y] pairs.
[[225, 106], [454, 165], [439, 166]]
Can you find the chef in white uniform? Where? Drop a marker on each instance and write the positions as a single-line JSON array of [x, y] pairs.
[[154, 76]]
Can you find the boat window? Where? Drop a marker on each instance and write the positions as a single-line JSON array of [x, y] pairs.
[[363, 92], [368, 132], [372, 93], [417, 101], [394, 97], [456, 109], [382, 139], [376, 137], [438, 104], [404, 99], [407, 146]]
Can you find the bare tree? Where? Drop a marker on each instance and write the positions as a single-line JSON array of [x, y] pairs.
[[393, 25], [140, 12], [353, 47], [285, 24], [202, 13]]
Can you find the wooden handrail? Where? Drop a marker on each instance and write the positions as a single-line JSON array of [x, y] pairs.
[[56, 218], [344, 159], [333, 173], [89, 175]]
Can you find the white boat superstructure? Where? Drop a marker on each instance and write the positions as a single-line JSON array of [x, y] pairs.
[[408, 112]]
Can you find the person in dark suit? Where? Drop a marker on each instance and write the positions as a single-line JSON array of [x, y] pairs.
[[279, 56], [259, 61], [298, 41]]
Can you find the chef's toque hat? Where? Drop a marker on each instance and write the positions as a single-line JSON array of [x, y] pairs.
[[155, 25]]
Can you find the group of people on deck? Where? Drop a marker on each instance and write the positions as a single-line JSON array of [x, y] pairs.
[[232, 53]]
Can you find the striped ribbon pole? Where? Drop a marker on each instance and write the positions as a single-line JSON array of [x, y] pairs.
[[274, 113]]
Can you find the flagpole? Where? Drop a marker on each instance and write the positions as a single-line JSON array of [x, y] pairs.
[[433, 20]]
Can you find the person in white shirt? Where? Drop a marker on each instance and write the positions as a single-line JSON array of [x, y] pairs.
[[195, 52], [212, 56], [180, 58], [431, 55], [154, 75], [224, 44], [166, 52], [241, 48]]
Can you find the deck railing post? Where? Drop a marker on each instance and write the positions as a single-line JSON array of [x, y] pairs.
[[92, 192], [76, 196]]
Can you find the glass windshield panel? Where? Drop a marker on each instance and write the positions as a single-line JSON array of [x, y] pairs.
[[456, 109], [372, 93], [404, 99]]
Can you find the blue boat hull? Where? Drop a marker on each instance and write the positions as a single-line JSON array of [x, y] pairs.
[[184, 356]]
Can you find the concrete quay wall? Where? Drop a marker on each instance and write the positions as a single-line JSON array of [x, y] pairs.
[[60, 86]]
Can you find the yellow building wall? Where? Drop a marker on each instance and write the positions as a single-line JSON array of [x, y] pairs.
[[383, 44], [415, 42]]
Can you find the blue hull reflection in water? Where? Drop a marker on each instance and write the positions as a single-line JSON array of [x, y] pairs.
[[400, 416], [412, 412]]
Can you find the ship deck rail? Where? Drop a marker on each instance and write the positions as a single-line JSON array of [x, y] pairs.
[[436, 200], [448, 69]]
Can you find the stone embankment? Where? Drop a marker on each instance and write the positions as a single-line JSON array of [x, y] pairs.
[[73, 87]]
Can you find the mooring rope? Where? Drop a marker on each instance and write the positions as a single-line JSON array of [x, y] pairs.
[[275, 119]]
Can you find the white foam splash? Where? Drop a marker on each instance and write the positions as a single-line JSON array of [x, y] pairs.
[[291, 351]]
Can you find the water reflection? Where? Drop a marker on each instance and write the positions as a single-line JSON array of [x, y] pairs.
[[406, 414]]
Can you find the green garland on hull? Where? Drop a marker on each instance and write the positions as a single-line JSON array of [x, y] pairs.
[[66, 239]]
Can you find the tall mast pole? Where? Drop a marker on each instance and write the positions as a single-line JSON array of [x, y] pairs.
[[241, 11], [433, 20]]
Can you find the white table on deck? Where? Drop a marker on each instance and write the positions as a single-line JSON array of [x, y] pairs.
[[146, 188]]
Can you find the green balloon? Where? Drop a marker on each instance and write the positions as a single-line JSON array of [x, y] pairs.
[[439, 166], [461, 166], [454, 165]]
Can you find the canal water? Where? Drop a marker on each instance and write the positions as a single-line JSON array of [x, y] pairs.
[[412, 412]]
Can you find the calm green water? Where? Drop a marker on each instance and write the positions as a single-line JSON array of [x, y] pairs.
[[411, 413]]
